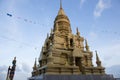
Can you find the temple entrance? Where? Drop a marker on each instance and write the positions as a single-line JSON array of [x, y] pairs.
[[77, 61]]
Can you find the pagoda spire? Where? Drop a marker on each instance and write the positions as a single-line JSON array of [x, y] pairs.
[[98, 62], [62, 21], [35, 65], [86, 45], [61, 11], [61, 4], [78, 33], [51, 31], [47, 35]]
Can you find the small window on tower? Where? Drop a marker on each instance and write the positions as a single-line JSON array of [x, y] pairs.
[[71, 42], [47, 46]]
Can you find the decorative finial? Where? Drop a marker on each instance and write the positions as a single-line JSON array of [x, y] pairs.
[[78, 33], [61, 4], [97, 58], [47, 35], [77, 29], [51, 31], [61, 11], [86, 46], [35, 65], [86, 42], [98, 62], [35, 60]]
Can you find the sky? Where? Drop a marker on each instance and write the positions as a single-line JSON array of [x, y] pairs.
[[24, 25]]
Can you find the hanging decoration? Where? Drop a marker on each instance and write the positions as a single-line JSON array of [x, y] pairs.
[[24, 19], [10, 15]]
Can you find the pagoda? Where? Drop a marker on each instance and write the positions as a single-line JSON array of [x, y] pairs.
[[65, 53]]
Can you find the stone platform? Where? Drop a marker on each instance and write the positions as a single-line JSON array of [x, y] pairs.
[[73, 77]]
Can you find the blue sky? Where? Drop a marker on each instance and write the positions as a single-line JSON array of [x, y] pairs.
[[23, 34]]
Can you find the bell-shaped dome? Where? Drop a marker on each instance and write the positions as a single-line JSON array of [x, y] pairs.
[[61, 12], [62, 22], [61, 16]]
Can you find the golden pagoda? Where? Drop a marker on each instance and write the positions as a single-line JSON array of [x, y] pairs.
[[65, 53]]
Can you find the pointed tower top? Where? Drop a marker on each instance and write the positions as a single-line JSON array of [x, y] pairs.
[[86, 45], [60, 3], [98, 62], [78, 33], [47, 35], [35, 64], [51, 31], [86, 42], [61, 11], [62, 20], [97, 58], [77, 29]]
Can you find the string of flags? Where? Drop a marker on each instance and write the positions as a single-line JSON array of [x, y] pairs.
[[34, 22], [26, 20], [111, 32], [10, 15]]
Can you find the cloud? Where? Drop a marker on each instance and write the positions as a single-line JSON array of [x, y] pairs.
[[3, 72], [115, 70], [22, 72], [101, 6], [110, 54], [25, 67], [3, 68], [21, 76], [82, 2], [18, 69], [2, 76]]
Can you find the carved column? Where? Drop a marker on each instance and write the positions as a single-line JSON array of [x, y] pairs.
[[68, 42], [74, 61], [74, 45], [50, 58]]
